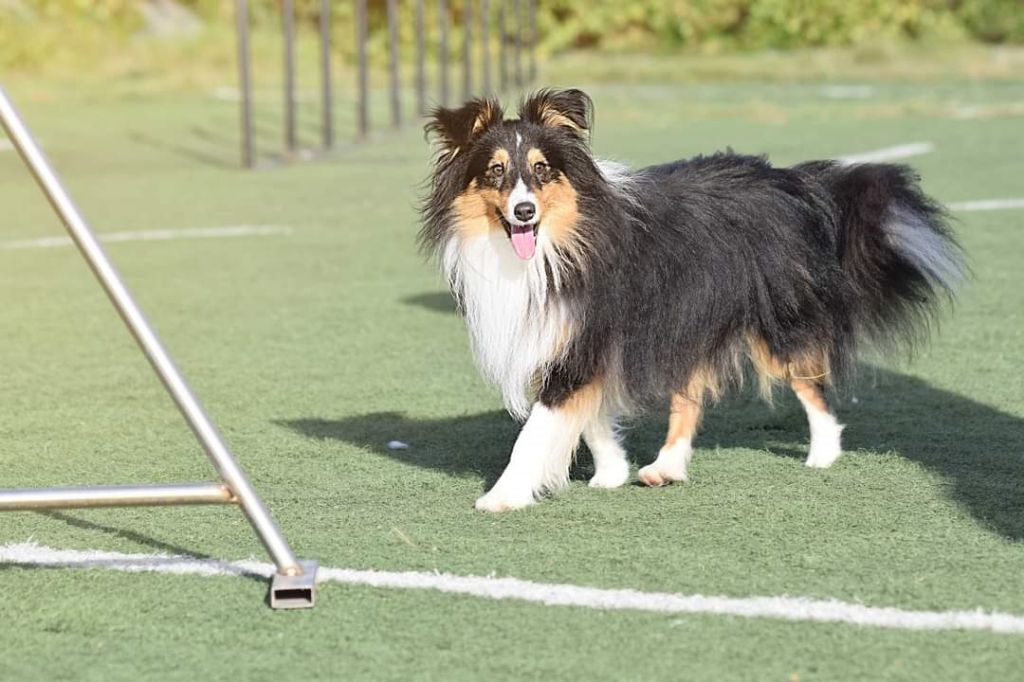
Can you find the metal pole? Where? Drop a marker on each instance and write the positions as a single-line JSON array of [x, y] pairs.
[[116, 496], [467, 50], [442, 50], [519, 43], [531, 8], [244, 81], [230, 472], [327, 95], [503, 47], [362, 105], [288, 26], [485, 40], [396, 103], [421, 58]]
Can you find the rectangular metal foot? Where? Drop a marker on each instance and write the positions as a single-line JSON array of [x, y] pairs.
[[294, 591]]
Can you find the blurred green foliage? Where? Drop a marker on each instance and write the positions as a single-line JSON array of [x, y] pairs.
[[33, 32]]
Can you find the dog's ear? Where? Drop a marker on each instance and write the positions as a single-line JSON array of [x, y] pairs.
[[455, 129], [572, 110]]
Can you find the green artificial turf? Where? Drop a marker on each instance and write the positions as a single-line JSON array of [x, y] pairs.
[[313, 350]]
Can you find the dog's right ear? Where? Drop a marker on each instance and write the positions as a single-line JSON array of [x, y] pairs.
[[455, 129]]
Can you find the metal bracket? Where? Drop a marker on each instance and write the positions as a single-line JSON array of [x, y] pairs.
[[294, 591]]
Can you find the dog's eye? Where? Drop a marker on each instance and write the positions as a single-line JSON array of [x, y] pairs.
[[497, 170], [540, 168]]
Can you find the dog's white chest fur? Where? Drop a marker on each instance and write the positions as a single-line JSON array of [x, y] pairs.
[[514, 328]]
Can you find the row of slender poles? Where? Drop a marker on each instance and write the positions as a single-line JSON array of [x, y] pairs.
[[477, 19]]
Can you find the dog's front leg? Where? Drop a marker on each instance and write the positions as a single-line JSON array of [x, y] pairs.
[[543, 451]]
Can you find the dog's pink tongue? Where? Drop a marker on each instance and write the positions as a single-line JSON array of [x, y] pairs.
[[524, 243]]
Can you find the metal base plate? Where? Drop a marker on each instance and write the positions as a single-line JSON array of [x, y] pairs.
[[294, 591]]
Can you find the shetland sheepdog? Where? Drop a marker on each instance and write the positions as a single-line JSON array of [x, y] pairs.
[[593, 292]]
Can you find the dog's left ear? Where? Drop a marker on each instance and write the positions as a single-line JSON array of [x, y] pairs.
[[572, 110], [456, 129]]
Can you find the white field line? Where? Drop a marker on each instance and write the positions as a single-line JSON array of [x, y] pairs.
[[847, 91], [900, 151], [786, 608], [154, 235], [986, 205]]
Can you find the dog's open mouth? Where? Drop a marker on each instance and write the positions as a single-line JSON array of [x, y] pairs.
[[524, 238]]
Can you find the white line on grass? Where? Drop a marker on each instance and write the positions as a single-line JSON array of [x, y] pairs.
[[787, 608], [986, 205], [900, 151], [154, 235]]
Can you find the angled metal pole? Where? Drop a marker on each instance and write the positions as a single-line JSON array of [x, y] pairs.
[[396, 102], [467, 50], [288, 27], [503, 46], [442, 50], [326, 86], [531, 22], [362, 105], [244, 81], [485, 45], [296, 576], [518, 5], [421, 59]]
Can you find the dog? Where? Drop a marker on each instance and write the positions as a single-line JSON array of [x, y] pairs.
[[593, 292]]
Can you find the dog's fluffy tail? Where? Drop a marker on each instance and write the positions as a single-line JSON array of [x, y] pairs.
[[895, 246]]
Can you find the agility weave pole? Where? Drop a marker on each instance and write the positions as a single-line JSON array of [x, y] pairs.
[[294, 583]]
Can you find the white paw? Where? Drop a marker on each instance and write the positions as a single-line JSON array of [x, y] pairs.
[[610, 475], [660, 473], [498, 500], [823, 457]]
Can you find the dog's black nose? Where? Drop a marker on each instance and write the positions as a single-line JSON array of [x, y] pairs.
[[525, 211]]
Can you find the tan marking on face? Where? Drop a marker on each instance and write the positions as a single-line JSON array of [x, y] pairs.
[[500, 156], [535, 156], [475, 210], [559, 213]]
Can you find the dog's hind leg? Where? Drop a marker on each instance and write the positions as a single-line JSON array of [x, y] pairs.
[[611, 469], [544, 449], [674, 457], [825, 429]]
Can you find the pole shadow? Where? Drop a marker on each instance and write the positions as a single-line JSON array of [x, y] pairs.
[[978, 449]]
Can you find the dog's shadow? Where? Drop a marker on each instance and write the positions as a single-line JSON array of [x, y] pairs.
[[978, 449]]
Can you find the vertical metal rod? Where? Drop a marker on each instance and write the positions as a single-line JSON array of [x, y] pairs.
[[485, 43], [503, 46], [244, 81], [518, 45], [421, 60], [531, 8], [442, 50], [230, 472], [288, 28], [467, 49], [362, 103], [396, 103], [326, 86]]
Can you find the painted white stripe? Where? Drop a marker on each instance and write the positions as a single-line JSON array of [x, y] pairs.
[[986, 205], [154, 235], [847, 91], [786, 608], [901, 151]]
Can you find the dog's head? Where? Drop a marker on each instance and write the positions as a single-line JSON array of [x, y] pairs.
[[522, 176]]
